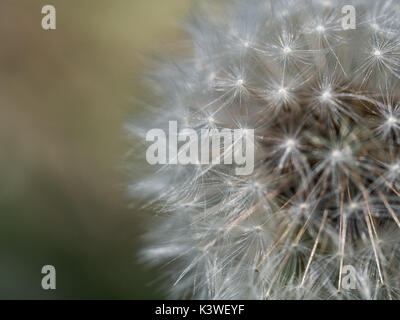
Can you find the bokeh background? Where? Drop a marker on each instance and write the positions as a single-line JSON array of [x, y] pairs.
[[64, 98]]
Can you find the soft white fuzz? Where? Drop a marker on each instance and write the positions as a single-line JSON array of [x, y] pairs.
[[325, 192]]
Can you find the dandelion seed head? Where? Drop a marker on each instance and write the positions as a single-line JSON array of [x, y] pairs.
[[325, 190]]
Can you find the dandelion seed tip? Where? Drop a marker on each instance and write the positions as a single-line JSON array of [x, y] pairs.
[[337, 154], [395, 168], [211, 77], [326, 95], [240, 82], [377, 53], [326, 4], [320, 28], [391, 120], [287, 50], [374, 26], [290, 143], [282, 92], [303, 206], [353, 205]]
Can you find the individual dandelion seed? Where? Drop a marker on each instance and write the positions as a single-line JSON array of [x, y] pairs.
[[324, 195]]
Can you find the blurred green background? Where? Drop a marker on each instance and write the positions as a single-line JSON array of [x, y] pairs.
[[64, 97]]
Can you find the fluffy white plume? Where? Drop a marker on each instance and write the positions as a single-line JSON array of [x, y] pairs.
[[325, 193]]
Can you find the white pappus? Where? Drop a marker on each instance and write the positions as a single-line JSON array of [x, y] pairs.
[[325, 191]]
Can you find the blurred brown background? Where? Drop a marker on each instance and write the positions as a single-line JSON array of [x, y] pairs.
[[64, 97]]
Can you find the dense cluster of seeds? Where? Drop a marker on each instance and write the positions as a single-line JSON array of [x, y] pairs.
[[325, 192]]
